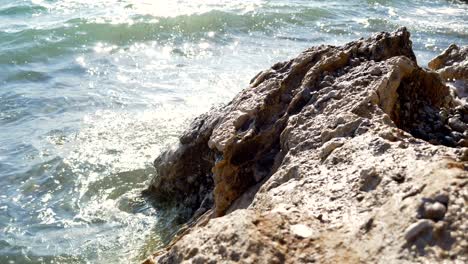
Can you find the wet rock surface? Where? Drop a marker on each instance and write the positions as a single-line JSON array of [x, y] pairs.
[[343, 154]]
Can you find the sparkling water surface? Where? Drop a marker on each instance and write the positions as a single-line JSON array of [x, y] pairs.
[[92, 90]]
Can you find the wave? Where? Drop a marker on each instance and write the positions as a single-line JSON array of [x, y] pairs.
[[41, 44], [78, 35], [19, 10]]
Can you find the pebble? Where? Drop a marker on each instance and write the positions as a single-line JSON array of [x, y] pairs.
[[463, 143], [301, 230], [448, 141], [439, 229], [443, 115], [457, 124], [435, 211], [376, 71], [417, 228], [442, 198], [457, 135]]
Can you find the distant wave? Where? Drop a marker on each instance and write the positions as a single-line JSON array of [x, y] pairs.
[[36, 44], [20, 10]]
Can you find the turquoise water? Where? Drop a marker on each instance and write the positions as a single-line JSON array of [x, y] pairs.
[[92, 91]]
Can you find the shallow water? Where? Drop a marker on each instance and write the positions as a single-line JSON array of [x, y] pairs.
[[92, 91]]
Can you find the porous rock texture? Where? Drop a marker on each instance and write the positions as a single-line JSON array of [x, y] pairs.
[[350, 154]]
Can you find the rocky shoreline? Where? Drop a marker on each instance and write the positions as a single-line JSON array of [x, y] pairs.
[[343, 154]]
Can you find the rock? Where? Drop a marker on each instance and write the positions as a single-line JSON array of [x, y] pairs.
[[435, 211], [301, 230], [457, 124], [376, 71], [443, 115], [463, 143], [452, 63], [457, 136], [295, 168], [439, 229], [416, 229], [191, 159], [442, 198]]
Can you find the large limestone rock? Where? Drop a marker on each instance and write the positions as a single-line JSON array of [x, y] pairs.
[[342, 155]]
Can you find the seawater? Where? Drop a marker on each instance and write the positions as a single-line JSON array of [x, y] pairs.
[[92, 90]]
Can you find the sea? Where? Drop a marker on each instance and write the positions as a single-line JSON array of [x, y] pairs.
[[91, 91]]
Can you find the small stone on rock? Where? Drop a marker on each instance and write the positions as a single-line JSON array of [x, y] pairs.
[[417, 228], [376, 71], [463, 143], [457, 124], [434, 211], [442, 198], [301, 230]]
